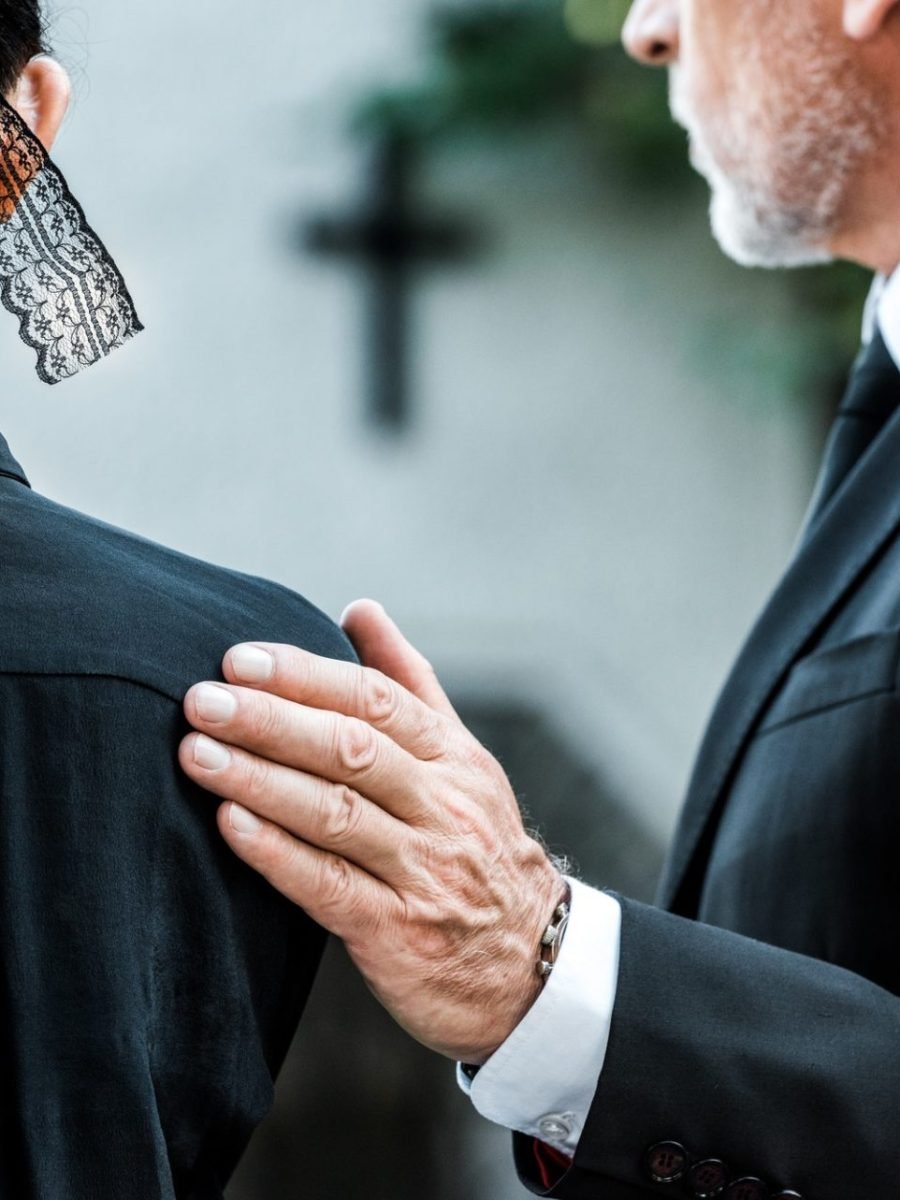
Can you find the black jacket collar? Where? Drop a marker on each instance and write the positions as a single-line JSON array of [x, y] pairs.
[[9, 467]]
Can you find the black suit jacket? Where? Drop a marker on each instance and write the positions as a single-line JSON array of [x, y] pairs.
[[757, 1021], [150, 982]]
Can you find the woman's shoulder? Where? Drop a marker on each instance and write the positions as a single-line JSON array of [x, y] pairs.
[[79, 595]]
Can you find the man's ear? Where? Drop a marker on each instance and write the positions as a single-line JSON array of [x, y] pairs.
[[41, 97], [864, 18]]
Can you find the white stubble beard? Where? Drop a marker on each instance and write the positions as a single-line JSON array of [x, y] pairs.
[[780, 199]]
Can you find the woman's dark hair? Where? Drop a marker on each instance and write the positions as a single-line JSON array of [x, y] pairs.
[[21, 37]]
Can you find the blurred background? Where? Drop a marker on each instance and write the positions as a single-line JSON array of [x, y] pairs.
[[433, 315]]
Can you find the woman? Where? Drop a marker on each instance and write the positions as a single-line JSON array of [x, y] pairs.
[[150, 984]]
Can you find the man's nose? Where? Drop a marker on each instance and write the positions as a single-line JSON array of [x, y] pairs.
[[651, 32]]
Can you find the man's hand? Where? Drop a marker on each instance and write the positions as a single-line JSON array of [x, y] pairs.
[[360, 795]]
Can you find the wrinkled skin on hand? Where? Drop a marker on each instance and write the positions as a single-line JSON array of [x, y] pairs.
[[359, 794]]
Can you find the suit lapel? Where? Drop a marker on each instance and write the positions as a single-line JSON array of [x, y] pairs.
[[839, 544]]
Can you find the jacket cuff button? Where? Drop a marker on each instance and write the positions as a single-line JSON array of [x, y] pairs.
[[665, 1162], [707, 1179], [748, 1188]]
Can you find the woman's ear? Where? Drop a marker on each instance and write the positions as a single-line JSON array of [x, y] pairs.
[[863, 19], [41, 97]]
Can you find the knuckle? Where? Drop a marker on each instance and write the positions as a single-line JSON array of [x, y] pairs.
[[378, 700], [335, 884], [254, 780], [267, 721], [343, 815], [357, 746], [433, 737]]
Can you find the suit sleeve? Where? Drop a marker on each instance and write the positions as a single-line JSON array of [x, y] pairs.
[[780, 1067]]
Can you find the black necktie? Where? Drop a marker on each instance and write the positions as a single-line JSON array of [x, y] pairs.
[[871, 399]]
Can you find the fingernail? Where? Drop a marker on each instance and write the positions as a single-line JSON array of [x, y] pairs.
[[252, 665], [210, 755], [353, 604], [215, 703], [242, 821]]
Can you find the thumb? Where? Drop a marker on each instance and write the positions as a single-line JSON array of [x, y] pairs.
[[380, 644]]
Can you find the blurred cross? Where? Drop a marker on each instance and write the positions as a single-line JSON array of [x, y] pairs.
[[390, 240]]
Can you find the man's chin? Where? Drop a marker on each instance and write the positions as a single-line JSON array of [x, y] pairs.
[[755, 237]]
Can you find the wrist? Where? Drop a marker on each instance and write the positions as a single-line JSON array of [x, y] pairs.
[[548, 1068], [538, 946]]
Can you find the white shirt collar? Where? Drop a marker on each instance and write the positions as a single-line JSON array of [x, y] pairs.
[[883, 308]]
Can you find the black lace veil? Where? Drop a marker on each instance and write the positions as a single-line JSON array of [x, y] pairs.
[[56, 275]]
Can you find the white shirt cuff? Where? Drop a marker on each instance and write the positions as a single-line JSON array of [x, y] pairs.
[[542, 1080]]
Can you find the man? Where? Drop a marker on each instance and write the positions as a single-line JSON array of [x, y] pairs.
[[150, 983], [743, 1038]]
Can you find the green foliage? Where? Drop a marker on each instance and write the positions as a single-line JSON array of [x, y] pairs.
[[498, 67], [492, 68], [596, 24]]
